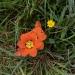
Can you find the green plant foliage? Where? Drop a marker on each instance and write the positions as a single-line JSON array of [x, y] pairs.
[[58, 55]]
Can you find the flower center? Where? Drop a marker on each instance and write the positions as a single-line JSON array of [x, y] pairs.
[[29, 44]]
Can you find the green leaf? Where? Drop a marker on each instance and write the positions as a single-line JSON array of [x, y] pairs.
[[51, 41], [63, 33], [61, 18]]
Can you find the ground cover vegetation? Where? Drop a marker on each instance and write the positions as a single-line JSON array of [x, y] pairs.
[[56, 49]]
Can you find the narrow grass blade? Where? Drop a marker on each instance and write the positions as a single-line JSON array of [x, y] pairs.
[[7, 52], [3, 73], [16, 67]]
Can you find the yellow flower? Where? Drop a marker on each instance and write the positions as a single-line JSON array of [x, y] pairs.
[[50, 23], [29, 44]]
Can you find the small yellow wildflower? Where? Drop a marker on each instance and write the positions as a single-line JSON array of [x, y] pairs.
[[50, 23]]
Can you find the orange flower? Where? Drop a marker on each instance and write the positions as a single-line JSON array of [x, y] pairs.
[[39, 32], [31, 42], [28, 45]]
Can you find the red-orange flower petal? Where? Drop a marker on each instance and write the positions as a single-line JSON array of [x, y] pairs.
[[32, 36], [24, 52], [24, 36], [42, 36], [21, 44], [18, 53], [39, 45], [37, 30], [37, 24], [33, 52]]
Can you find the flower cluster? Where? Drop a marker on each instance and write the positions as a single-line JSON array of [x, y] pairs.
[[31, 42]]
